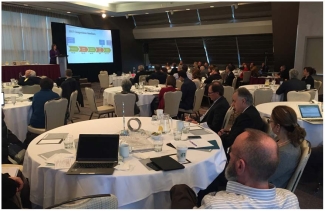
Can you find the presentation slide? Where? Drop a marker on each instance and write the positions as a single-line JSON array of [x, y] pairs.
[[88, 45]]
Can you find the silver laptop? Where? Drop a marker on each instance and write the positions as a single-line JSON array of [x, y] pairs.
[[311, 114], [96, 154]]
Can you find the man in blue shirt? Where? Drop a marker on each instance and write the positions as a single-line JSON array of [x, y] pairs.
[[40, 98]]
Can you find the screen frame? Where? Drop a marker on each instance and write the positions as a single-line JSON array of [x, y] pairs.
[[317, 106]]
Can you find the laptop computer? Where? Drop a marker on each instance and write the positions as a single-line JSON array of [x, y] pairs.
[[96, 154], [311, 114]]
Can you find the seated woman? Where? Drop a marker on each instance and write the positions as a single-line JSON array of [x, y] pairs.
[[37, 119], [170, 87], [308, 72], [196, 77], [283, 122], [126, 89]]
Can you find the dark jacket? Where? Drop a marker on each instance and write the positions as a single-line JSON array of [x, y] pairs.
[[250, 118], [28, 81], [70, 85], [9, 189], [158, 75], [290, 85], [173, 71], [137, 76], [216, 114], [53, 55], [212, 78], [229, 79], [309, 80], [37, 119], [188, 92], [284, 74]]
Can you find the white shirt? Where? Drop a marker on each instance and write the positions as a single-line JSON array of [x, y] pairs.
[[238, 196]]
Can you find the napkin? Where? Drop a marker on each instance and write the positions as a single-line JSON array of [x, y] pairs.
[[122, 166]]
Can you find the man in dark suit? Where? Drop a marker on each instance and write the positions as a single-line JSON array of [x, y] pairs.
[[284, 73], [188, 91], [229, 75], [174, 69], [141, 72], [29, 78], [248, 117], [214, 75], [214, 116], [158, 74], [294, 84]]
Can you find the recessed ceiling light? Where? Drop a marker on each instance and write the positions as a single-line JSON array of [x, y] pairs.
[[104, 15], [147, 13], [68, 12], [211, 6], [187, 9], [26, 5]]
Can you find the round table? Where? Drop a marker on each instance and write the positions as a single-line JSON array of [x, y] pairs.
[[252, 87], [144, 102], [137, 187], [10, 89], [314, 132], [17, 116]]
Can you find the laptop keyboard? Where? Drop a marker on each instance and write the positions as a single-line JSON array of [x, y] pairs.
[[93, 165]]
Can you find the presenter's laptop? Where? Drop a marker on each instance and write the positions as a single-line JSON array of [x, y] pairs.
[[311, 114], [96, 154]]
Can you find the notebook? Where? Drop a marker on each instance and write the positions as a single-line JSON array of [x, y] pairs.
[[311, 114], [166, 163], [96, 154]]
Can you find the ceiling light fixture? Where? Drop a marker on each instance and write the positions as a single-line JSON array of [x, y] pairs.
[[68, 12], [187, 9], [103, 15], [211, 6]]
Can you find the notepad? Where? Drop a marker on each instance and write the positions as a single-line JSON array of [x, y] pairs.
[[47, 155], [50, 141], [50, 136]]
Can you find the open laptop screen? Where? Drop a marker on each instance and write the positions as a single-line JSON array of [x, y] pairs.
[[97, 147], [309, 111]]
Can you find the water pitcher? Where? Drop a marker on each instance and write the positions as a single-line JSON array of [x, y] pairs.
[[166, 123]]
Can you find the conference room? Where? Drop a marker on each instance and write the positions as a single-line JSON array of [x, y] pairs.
[[162, 105]]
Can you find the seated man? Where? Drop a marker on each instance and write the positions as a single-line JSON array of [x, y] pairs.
[[188, 91], [253, 159], [294, 84], [141, 71], [229, 75], [214, 116], [283, 74], [214, 75], [158, 74], [29, 78], [37, 119], [249, 117], [69, 85]]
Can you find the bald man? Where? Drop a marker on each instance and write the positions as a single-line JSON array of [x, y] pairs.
[[253, 159]]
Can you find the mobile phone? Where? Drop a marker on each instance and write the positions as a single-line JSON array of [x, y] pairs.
[[194, 137]]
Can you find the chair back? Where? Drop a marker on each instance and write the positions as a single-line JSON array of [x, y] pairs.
[[143, 78], [55, 119], [57, 90], [227, 117], [234, 82], [312, 93], [91, 99], [198, 99], [103, 72], [153, 82], [228, 92], [246, 76], [197, 83], [305, 154], [72, 104], [31, 89], [223, 75], [298, 96], [262, 96], [317, 85], [172, 100], [103, 80], [129, 102], [101, 201], [179, 84]]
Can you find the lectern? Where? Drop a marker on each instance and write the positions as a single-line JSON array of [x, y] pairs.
[[61, 60]]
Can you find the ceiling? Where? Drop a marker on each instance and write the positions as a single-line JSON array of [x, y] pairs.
[[118, 8]]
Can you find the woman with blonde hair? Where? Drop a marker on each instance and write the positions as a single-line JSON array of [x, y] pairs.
[[283, 122]]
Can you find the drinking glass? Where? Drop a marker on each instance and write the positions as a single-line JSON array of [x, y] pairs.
[[68, 142], [13, 99], [186, 128], [177, 135], [154, 120], [157, 145]]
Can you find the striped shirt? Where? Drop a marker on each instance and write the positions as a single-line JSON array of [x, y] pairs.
[[238, 196]]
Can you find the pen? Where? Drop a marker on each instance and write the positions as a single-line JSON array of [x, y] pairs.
[[193, 143]]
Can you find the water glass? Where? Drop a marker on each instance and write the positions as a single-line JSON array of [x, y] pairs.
[[186, 128], [177, 135], [13, 99], [68, 142], [154, 120], [157, 145]]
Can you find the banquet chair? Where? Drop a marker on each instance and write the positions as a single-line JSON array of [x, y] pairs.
[[103, 72], [172, 100], [129, 101], [196, 105], [100, 110], [57, 90], [312, 93], [228, 92], [72, 104], [298, 96], [153, 82], [234, 82], [305, 154], [223, 75], [31, 89], [246, 78], [104, 82], [100, 201], [227, 117], [179, 84], [317, 85], [52, 119], [262, 96]]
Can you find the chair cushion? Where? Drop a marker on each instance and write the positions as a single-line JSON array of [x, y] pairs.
[[185, 111], [35, 130], [105, 109]]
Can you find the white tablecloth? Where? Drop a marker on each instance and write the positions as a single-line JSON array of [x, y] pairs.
[[17, 116], [134, 188], [144, 102], [314, 132], [10, 89]]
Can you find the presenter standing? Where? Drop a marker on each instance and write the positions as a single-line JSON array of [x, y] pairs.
[[53, 54]]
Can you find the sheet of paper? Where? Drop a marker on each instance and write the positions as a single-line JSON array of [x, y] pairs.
[[195, 128], [64, 163], [50, 141], [58, 156], [47, 155], [12, 171]]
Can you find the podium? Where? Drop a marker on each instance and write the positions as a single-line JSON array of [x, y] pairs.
[[61, 60]]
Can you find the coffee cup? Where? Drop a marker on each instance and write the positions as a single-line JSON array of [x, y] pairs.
[[181, 153], [308, 86], [124, 150]]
